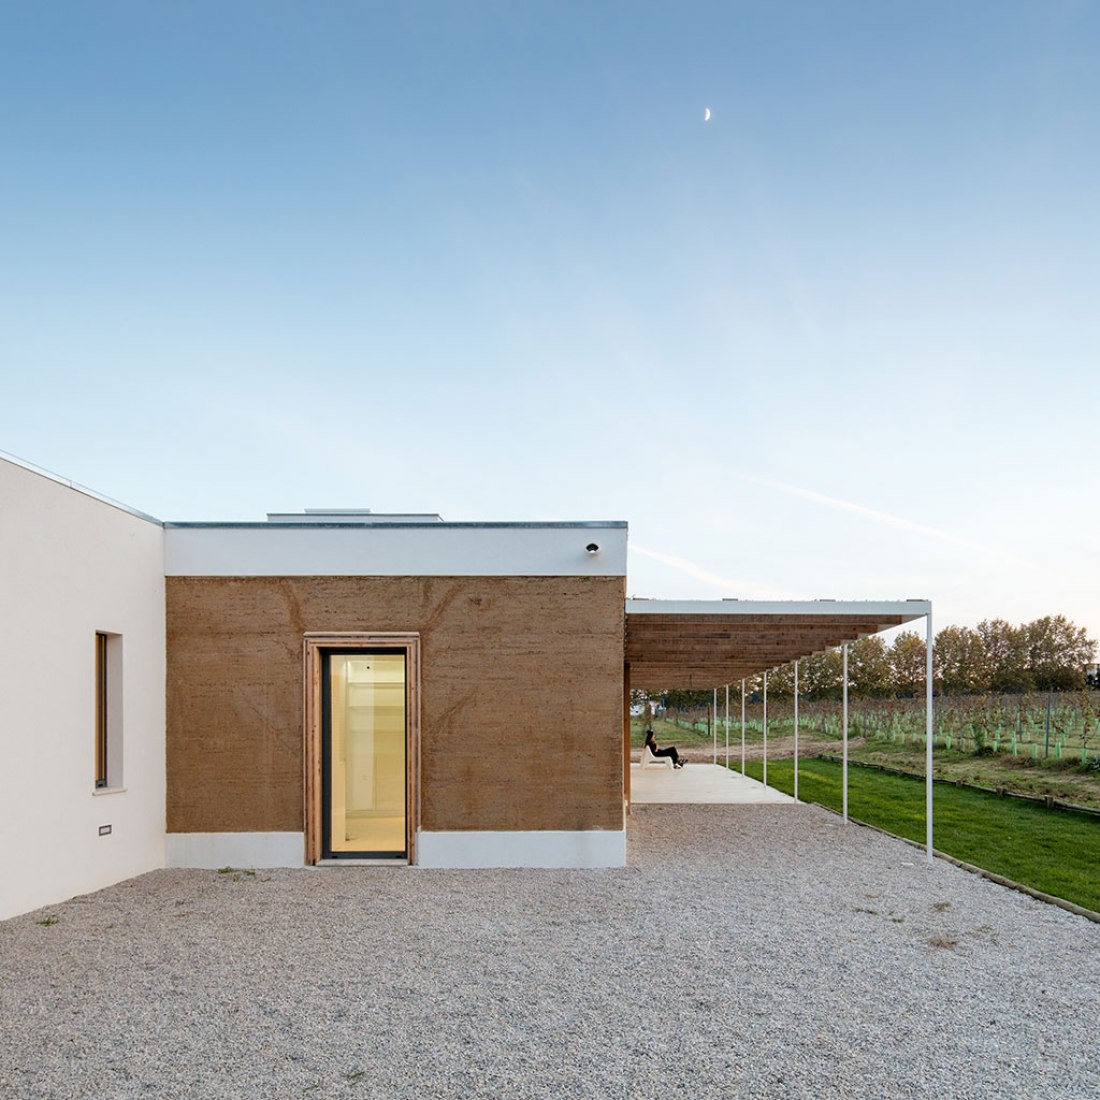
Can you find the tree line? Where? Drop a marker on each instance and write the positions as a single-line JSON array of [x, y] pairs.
[[1050, 653]]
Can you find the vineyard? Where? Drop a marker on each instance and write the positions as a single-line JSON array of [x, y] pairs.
[[1058, 726]]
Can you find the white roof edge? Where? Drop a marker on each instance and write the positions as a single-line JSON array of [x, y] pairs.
[[908, 609], [320, 523], [394, 550], [49, 475]]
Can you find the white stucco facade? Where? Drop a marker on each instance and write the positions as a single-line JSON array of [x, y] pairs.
[[72, 565]]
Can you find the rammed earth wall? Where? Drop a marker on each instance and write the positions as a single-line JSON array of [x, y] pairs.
[[521, 696]]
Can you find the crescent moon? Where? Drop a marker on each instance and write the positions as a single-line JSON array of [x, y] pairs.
[[706, 114]]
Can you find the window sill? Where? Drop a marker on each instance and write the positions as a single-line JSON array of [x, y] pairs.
[[98, 791]]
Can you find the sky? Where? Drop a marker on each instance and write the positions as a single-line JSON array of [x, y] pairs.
[[489, 260]]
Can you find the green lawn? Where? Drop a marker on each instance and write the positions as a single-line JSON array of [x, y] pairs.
[[1056, 851], [1064, 779]]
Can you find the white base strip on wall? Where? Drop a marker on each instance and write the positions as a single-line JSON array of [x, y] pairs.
[[588, 848], [214, 850]]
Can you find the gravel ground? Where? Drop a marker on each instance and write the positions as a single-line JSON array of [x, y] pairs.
[[747, 951]]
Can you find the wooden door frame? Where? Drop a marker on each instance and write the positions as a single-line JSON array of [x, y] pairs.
[[314, 646]]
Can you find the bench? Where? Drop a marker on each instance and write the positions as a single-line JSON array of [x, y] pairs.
[[648, 760]]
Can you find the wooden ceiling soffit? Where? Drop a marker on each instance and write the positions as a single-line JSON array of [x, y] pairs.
[[711, 621], [650, 625], [649, 649], [678, 634], [704, 651]]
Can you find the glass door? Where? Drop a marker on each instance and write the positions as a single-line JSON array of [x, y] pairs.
[[364, 734]]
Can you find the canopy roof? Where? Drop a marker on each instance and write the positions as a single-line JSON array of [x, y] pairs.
[[707, 643]]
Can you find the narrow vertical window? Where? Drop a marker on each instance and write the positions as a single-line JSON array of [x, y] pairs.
[[101, 710], [108, 711]]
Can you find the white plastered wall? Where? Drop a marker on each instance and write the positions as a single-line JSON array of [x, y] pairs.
[[72, 564], [418, 550]]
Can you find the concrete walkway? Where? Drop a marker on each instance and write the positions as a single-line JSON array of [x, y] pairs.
[[698, 784]]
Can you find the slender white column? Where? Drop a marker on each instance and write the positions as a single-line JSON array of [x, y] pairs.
[[714, 724], [765, 729], [742, 727], [928, 745], [727, 726], [844, 769], [796, 731]]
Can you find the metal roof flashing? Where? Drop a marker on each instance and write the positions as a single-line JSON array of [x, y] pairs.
[[49, 475], [909, 609], [353, 515], [431, 525]]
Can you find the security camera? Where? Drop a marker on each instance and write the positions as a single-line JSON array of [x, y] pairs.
[[592, 548]]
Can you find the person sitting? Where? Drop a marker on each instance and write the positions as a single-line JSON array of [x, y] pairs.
[[651, 744]]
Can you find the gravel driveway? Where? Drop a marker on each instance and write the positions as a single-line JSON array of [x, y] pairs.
[[747, 951]]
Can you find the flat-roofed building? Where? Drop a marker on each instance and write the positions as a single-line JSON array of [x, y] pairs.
[[354, 686], [335, 686]]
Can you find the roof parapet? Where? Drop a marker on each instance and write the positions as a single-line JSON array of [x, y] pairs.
[[352, 515]]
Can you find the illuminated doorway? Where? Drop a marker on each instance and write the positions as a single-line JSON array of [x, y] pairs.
[[360, 741], [364, 733]]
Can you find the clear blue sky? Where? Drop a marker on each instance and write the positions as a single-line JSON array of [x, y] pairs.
[[487, 259]]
